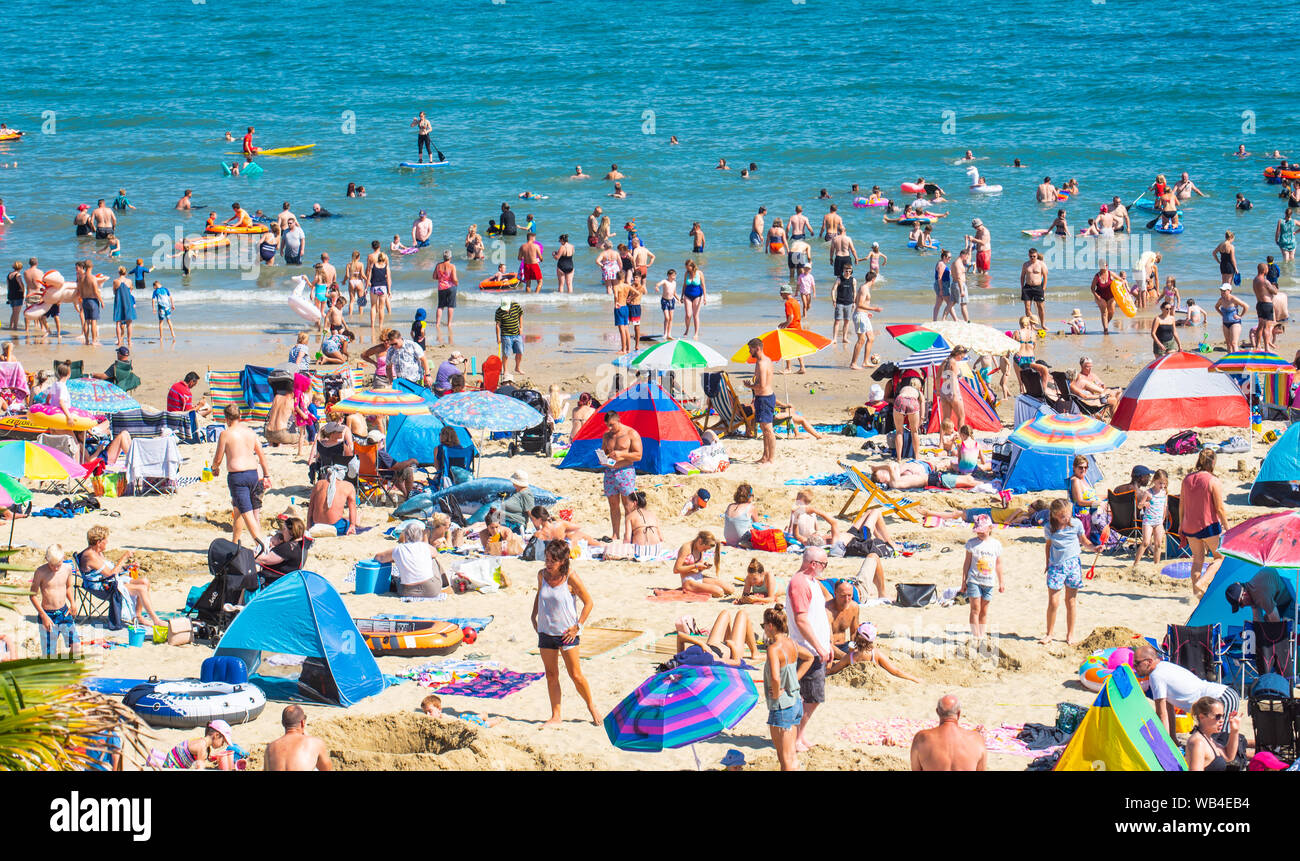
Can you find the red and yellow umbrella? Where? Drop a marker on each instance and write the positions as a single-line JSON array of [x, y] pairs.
[[781, 344]]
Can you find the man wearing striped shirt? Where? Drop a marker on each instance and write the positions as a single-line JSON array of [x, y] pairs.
[[509, 319]]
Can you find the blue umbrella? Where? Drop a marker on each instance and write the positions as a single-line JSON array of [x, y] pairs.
[[681, 707], [99, 396], [486, 411]]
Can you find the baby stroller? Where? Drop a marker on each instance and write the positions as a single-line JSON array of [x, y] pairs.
[[234, 571], [536, 439]]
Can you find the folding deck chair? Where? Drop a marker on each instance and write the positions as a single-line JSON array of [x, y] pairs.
[[1176, 545], [1123, 513], [862, 483], [725, 404], [371, 485], [98, 597]]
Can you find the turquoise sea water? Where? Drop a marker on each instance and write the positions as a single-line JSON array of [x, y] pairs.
[[819, 94]]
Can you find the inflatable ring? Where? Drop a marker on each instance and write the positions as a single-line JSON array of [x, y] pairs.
[[1123, 300], [913, 187], [188, 704], [1063, 195], [51, 417], [509, 282], [1098, 666], [1277, 173], [860, 202], [223, 228]]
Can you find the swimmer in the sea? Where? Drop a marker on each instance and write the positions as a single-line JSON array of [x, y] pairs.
[[578, 174], [721, 165]]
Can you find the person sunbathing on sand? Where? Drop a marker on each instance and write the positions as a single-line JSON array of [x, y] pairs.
[[760, 586], [550, 528], [1035, 515], [691, 565], [803, 522], [863, 650], [917, 474], [731, 637]]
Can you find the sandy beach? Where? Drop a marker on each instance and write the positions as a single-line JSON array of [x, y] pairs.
[[1014, 681]]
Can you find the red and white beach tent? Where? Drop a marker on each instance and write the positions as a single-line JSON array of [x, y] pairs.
[[1179, 391]]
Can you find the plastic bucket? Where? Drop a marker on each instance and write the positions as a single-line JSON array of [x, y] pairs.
[[384, 579], [367, 572], [136, 636]]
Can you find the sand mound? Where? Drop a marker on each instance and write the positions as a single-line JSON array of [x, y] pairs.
[[868, 676], [822, 758], [406, 741], [1109, 638]]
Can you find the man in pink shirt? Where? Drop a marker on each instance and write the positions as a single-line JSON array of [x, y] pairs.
[[812, 630]]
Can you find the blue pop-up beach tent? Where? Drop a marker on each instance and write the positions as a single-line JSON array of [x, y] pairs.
[[1031, 471], [1281, 467], [302, 614]]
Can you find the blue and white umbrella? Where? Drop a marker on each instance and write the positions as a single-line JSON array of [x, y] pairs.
[[99, 396], [486, 411]]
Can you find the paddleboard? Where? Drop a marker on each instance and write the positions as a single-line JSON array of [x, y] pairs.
[[415, 164], [1037, 231], [912, 244], [113, 687], [279, 150]]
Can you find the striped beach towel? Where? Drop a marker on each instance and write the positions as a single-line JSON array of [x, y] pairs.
[[225, 389], [357, 373]]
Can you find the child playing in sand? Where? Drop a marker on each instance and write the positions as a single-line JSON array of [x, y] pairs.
[[162, 306], [1075, 324], [803, 522], [1065, 536], [1151, 506], [667, 290], [432, 706], [948, 438], [980, 567]]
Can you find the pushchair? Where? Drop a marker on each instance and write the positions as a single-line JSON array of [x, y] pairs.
[[234, 571], [536, 439]]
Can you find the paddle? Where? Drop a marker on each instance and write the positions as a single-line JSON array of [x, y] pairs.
[[441, 157]]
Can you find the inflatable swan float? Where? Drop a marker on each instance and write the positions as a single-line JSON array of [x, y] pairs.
[[973, 174], [302, 305]]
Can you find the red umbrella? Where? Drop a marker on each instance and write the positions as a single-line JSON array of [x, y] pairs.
[[1272, 539]]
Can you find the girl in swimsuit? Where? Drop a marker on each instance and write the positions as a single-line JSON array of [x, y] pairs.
[[863, 650], [1230, 309], [564, 265], [875, 259], [195, 752], [474, 244], [694, 297], [608, 263], [379, 293], [691, 567]]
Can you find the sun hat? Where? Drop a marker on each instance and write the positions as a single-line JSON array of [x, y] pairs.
[[519, 478], [982, 522], [505, 304], [733, 757], [375, 435], [876, 393], [456, 356], [867, 631], [332, 427], [223, 728]]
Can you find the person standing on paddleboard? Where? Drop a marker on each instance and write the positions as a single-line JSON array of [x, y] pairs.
[[422, 141]]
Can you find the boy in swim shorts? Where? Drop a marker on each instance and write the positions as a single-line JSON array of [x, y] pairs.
[[667, 290]]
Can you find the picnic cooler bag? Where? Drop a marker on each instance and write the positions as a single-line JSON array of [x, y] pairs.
[[916, 594]]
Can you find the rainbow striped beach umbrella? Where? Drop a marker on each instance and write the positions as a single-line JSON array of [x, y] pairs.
[[681, 707], [37, 462], [1253, 362], [781, 344], [383, 402], [1067, 434], [678, 354]]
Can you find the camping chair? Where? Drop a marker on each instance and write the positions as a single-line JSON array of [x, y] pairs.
[[1176, 545], [1123, 513], [1275, 396], [64, 443], [371, 485], [1035, 395], [725, 404], [464, 456], [1077, 404], [98, 597], [78, 368], [1276, 717], [1272, 649], [862, 483], [1199, 649], [153, 465]]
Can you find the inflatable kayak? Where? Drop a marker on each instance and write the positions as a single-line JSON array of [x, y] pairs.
[[10, 425], [474, 492], [253, 229], [1277, 174], [11, 136], [409, 638], [188, 704], [510, 282]]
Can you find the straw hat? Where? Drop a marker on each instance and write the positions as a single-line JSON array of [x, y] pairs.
[[519, 478]]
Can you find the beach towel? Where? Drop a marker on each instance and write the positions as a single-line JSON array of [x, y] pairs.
[[676, 595], [597, 641], [491, 684], [825, 479], [255, 387]]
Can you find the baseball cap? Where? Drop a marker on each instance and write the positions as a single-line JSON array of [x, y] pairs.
[[123, 352], [519, 478], [733, 757], [703, 494], [223, 728], [375, 435], [1141, 470], [982, 523], [867, 631], [1236, 595], [1262, 761], [1225, 286]]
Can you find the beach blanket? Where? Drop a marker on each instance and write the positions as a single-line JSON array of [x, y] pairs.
[[598, 641], [898, 732], [825, 479], [491, 684], [436, 673], [676, 595]]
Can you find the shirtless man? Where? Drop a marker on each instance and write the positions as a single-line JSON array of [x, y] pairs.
[[103, 219], [642, 259], [185, 204], [798, 226], [959, 267], [1265, 290], [843, 611], [277, 421], [242, 451], [295, 750], [831, 224], [948, 747], [55, 601], [593, 226], [618, 191], [1184, 187], [331, 496], [88, 284], [1120, 215], [530, 255], [240, 216], [32, 276], [422, 128], [577, 173], [862, 323], [1104, 295], [1033, 286], [982, 242], [286, 215], [622, 450], [329, 276], [764, 397], [756, 232], [842, 251], [421, 230], [1046, 191]]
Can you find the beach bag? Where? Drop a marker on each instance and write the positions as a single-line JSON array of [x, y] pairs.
[[771, 540], [533, 550], [915, 594], [1183, 442], [110, 484], [179, 631]]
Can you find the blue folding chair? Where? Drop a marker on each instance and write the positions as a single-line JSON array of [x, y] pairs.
[[463, 456]]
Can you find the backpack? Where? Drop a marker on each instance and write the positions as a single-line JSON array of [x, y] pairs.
[[1183, 442]]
